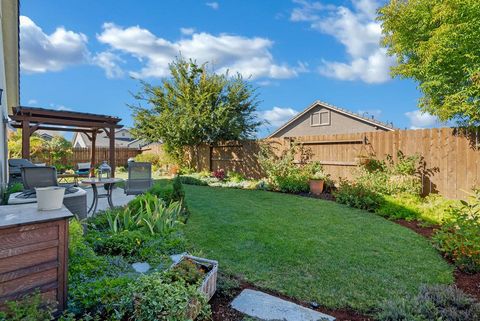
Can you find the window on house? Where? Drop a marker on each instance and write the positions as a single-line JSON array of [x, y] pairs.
[[321, 118]]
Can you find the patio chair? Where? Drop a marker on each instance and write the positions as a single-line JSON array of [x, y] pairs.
[[83, 169], [139, 178], [75, 198], [14, 169]]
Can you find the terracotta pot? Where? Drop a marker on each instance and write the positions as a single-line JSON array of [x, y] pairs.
[[316, 186]]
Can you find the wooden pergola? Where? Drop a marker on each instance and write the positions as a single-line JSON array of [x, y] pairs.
[[31, 119]]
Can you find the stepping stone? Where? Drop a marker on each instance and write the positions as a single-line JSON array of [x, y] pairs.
[[141, 267], [269, 308]]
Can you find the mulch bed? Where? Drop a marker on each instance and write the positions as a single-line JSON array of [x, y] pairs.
[[468, 283]]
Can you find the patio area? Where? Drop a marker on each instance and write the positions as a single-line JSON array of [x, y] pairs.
[[119, 198]]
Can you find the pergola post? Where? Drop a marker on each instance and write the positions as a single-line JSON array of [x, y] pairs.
[[26, 139], [92, 154], [112, 150]]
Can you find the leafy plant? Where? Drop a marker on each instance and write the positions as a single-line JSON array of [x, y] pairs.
[[459, 237], [190, 180], [171, 191], [219, 174], [96, 283], [186, 270], [146, 213], [28, 308], [284, 172], [437, 302], [157, 298], [358, 196], [235, 177]]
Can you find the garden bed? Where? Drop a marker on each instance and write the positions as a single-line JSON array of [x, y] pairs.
[[208, 269]]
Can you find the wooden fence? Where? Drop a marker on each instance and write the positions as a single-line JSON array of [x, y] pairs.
[[450, 157], [83, 155]]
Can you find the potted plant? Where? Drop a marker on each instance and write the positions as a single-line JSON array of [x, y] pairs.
[[317, 182]]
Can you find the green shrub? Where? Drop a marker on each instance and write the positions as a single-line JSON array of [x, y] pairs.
[[120, 169], [125, 243], [283, 171], [28, 308], [459, 237], [96, 283], [190, 180], [169, 191], [293, 183], [390, 177], [157, 298], [439, 303], [433, 209], [235, 177], [358, 196]]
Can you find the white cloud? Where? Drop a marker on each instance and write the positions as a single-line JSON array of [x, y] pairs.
[[213, 5], [40, 52], [248, 56], [60, 107], [187, 31], [357, 30], [32, 102], [109, 62], [278, 116], [419, 119]]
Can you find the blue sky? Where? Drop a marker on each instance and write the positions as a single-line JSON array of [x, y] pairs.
[[81, 55]]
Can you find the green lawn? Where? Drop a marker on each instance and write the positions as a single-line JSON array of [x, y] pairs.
[[311, 249]]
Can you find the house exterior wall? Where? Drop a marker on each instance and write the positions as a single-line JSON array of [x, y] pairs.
[[8, 77], [338, 124]]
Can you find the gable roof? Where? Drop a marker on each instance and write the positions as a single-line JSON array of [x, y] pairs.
[[102, 139], [343, 111]]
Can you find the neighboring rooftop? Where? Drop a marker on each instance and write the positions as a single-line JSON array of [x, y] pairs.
[[318, 103]]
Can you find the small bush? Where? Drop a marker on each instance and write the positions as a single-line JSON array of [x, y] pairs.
[[358, 196], [169, 191], [440, 302], [190, 180], [433, 209], [219, 174], [28, 308], [96, 283], [126, 244], [157, 298], [236, 177], [294, 183], [459, 237]]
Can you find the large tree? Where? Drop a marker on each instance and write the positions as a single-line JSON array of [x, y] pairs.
[[193, 106], [437, 43]]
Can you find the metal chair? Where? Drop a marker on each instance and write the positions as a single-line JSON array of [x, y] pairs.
[[14, 169], [139, 178], [75, 198], [83, 169]]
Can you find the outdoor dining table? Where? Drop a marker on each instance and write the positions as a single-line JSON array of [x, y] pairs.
[[109, 183]]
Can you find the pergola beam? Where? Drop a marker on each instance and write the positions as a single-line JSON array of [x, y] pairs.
[[31, 119], [59, 128], [54, 121]]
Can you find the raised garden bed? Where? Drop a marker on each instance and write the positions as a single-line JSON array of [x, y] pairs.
[[209, 269]]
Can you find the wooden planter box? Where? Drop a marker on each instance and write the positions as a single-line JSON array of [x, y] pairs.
[[209, 284]]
